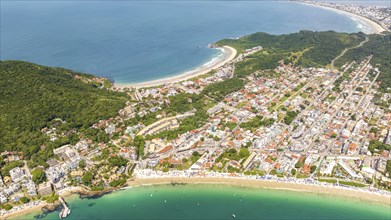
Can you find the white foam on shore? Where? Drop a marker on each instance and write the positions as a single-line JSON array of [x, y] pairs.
[[228, 53], [364, 24], [215, 58]]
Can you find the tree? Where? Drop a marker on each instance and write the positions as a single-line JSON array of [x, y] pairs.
[[39, 176], [313, 168], [388, 168], [244, 152], [299, 165], [7, 207], [196, 154], [139, 142], [52, 93], [116, 183], [24, 199], [293, 171], [82, 164], [86, 179], [290, 116], [118, 161]]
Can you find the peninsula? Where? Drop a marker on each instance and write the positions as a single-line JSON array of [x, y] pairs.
[[307, 111]]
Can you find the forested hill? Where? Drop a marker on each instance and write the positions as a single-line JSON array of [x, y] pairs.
[[380, 47], [308, 48], [33, 95]]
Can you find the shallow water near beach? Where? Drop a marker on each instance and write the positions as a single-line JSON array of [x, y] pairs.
[[216, 202], [137, 41]]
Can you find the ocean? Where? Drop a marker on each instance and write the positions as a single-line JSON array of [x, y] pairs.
[[215, 202], [137, 41]]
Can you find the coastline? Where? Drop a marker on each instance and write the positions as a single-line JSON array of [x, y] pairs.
[[25, 211], [240, 182], [229, 54], [372, 27], [322, 190], [368, 27], [265, 184]]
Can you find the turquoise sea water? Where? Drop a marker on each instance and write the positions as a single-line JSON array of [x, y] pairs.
[[216, 202], [135, 41]]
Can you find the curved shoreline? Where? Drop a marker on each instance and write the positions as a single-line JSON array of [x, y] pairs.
[[322, 190], [229, 54], [267, 184], [369, 27], [374, 28]]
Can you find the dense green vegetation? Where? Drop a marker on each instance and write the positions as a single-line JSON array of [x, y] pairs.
[[380, 47], [51, 198], [24, 199], [378, 147], [39, 175], [32, 96], [139, 143], [388, 168], [87, 178], [7, 207], [118, 182], [5, 168], [257, 122], [118, 161], [232, 154], [290, 116], [218, 90], [305, 48]]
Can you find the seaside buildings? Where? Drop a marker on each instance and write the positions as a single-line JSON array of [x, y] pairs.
[[378, 14], [290, 123]]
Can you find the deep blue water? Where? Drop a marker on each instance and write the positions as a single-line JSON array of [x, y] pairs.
[[135, 41]]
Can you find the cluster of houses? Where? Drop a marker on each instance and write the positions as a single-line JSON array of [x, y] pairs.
[[379, 14]]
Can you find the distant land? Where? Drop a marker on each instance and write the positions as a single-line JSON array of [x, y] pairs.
[[282, 119], [244, 121], [141, 48]]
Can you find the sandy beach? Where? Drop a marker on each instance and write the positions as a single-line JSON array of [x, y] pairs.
[[322, 190], [24, 211], [342, 193], [368, 26], [229, 54]]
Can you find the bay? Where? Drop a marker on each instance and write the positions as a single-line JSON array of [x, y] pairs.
[[216, 202], [137, 41]]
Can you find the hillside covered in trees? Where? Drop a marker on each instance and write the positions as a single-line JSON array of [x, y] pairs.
[[312, 49], [35, 96], [380, 47]]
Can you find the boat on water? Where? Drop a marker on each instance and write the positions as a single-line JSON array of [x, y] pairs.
[[233, 216]]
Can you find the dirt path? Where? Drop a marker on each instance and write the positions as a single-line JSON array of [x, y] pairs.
[[347, 49]]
